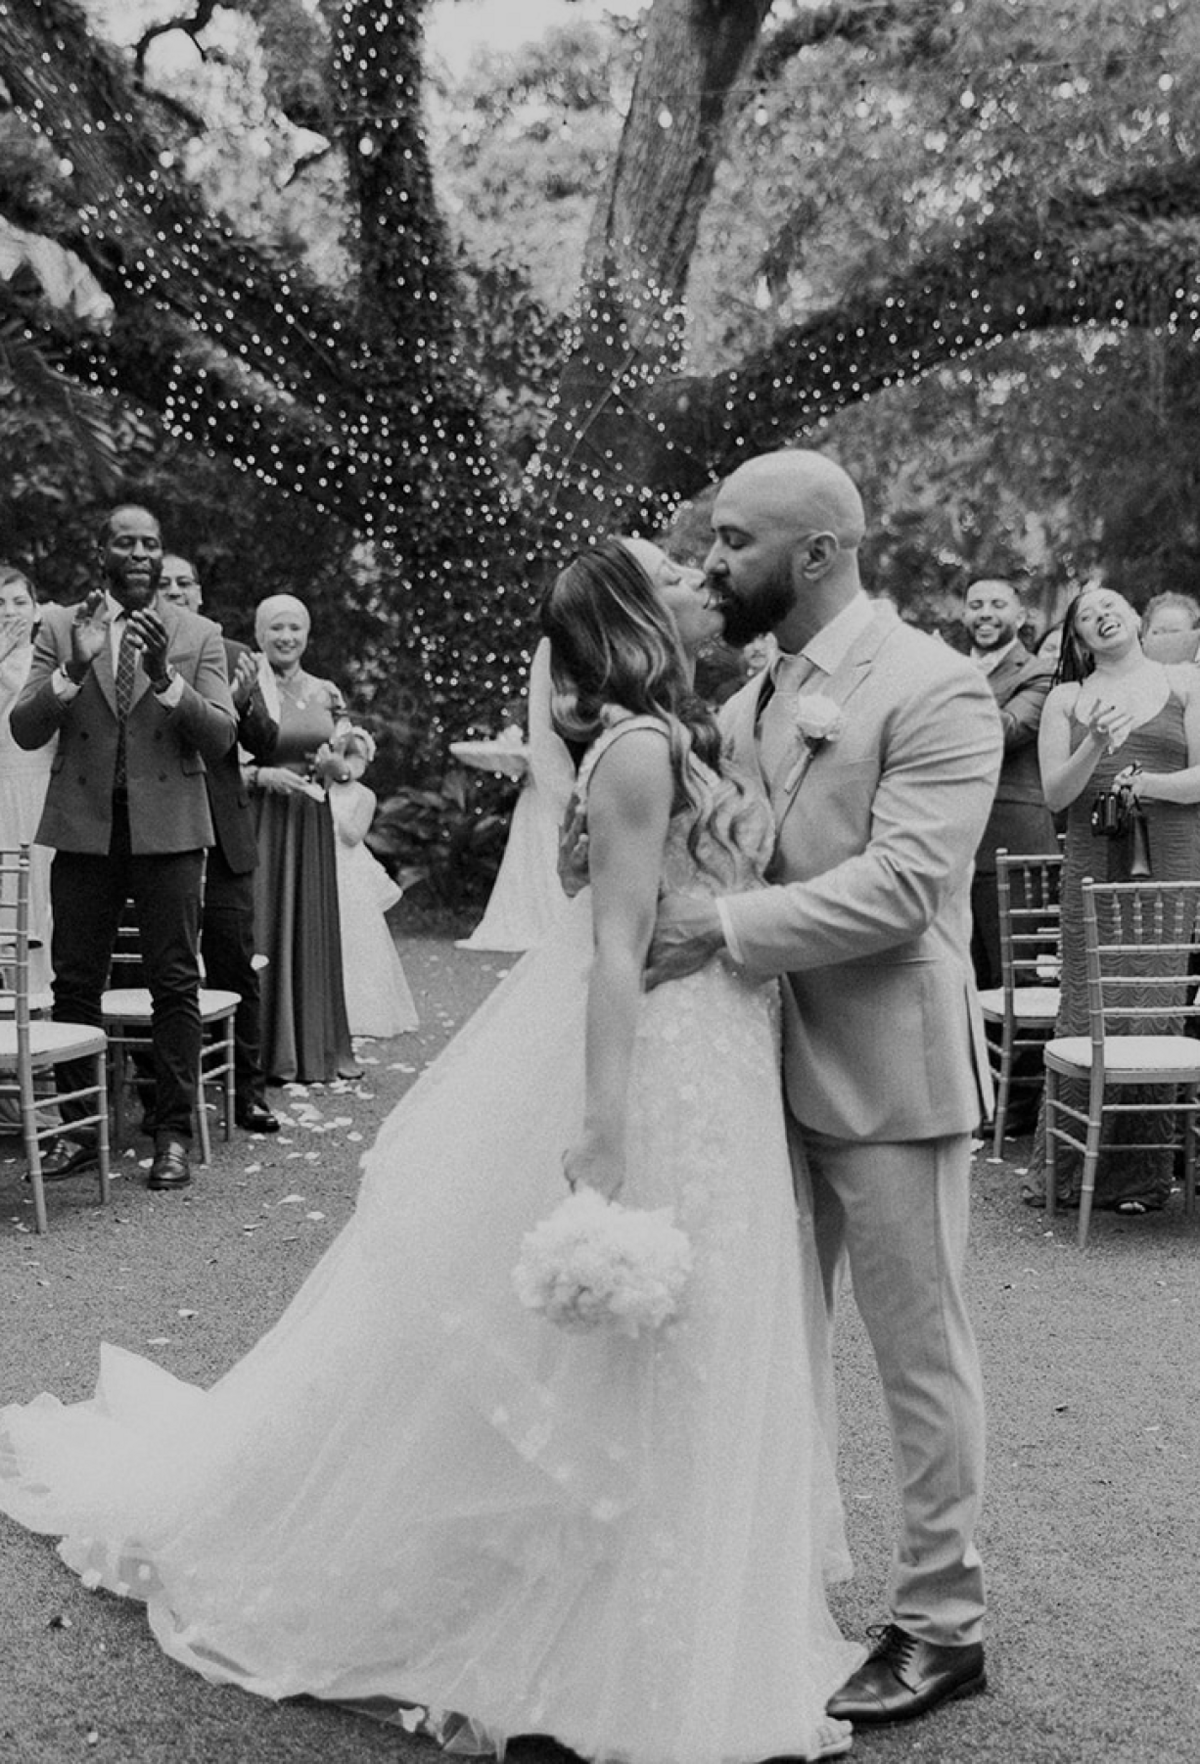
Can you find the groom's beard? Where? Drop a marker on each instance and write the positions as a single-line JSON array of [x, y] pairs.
[[751, 613]]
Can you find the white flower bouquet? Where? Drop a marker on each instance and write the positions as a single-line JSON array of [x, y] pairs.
[[593, 1262]]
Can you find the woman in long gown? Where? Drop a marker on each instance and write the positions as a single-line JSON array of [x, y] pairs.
[[527, 897], [414, 1491], [1116, 717], [24, 777], [304, 1026]]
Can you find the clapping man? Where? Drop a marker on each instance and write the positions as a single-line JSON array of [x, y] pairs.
[[138, 696], [227, 922], [992, 616]]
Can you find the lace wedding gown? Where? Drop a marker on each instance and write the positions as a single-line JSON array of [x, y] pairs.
[[413, 1491]]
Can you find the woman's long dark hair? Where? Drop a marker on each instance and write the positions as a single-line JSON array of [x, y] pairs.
[[1075, 659], [613, 644]]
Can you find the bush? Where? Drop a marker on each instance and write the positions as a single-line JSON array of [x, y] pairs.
[[447, 840]]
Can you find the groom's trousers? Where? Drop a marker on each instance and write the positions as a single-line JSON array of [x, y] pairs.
[[895, 1217]]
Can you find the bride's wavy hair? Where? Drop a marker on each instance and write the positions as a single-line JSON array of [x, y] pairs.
[[614, 643]]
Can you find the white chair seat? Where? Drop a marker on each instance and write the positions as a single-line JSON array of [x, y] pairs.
[[66, 1041], [1172, 1058], [130, 1004], [1031, 1004]]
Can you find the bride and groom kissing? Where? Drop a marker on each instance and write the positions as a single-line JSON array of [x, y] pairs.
[[415, 1498]]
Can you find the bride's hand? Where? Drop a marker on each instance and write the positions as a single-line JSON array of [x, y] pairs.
[[594, 1164]]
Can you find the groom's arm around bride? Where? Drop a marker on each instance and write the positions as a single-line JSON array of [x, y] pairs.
[[867, 917]]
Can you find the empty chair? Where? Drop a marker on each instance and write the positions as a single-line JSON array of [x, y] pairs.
[[1140, 939], [1020, 1013], [30, 1045]]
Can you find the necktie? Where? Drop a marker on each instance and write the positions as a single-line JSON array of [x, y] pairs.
[[126, 663], [778, 738]]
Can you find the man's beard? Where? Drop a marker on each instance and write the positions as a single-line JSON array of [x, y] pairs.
[[752, 614]]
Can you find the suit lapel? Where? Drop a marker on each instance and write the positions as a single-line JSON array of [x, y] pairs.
[[843, 683]]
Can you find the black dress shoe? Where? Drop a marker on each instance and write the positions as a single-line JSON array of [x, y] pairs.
[[255, 1117], [904, 1677], [172, 1166], [68, 1157]]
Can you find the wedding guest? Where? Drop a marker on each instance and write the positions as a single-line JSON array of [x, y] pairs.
[[24, 776], [378, 1000], [992, 616], [1171, 627], [227, 929], [1116, 718], [305, 1030], [139, 698], [526, 898]]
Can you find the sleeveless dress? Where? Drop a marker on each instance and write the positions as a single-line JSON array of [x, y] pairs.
[[1159, 745], [413, 1491], [24, 780], [379, 1000], [304, 1028]]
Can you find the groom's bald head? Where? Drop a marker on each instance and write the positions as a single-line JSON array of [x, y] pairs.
[[787, 529], [803, 492]]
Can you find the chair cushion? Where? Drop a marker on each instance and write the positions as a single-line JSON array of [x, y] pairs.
[[1135, 1055], [131, 1004]]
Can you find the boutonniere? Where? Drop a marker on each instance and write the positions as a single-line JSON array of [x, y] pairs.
[[819, 720]]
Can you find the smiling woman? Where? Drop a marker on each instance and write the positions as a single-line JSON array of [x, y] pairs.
[[1116, 719], [305, 1029]]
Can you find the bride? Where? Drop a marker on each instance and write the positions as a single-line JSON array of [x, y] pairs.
[[418, 1498]]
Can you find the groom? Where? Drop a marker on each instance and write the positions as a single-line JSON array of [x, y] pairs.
[[880, 749]]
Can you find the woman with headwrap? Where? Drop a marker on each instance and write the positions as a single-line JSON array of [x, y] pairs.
[[305, 1032]]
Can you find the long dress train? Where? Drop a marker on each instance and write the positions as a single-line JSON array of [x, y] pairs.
[[414, 1491]]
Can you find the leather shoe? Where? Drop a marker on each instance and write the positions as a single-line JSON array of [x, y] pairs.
[[255, 1117], [904, 1677], [172, 1167], [68, 1157]]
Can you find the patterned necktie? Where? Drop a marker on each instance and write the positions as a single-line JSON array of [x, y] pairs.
[[778, 739], [126, 663]]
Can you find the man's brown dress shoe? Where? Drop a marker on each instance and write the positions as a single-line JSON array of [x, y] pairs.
[[172, 1166], [904, 1677]]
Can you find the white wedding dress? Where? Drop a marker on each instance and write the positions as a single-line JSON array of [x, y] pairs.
[[413, 1491]]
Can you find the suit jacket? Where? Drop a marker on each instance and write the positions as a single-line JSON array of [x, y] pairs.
[[869, 918], [1020, 820], [228, 798], [165, 748]]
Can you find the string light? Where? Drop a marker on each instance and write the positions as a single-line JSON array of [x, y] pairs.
[[245, 355]]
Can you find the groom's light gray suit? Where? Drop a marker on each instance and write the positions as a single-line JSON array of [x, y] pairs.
[[870, 924]]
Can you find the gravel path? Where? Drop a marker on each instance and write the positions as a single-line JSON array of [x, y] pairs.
[[1092, 1536]]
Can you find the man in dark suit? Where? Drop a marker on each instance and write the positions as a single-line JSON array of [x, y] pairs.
[[1020, 821], [227, 919], [138, 696]]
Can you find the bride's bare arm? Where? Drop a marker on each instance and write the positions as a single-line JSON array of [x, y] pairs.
[[629, 808]]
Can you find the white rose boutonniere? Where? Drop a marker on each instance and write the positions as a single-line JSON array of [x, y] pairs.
[[819, 721]]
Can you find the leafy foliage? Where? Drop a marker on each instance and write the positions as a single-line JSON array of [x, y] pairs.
[[445, 841]]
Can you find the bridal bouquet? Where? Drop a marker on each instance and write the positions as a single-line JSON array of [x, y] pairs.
[[593, 1262]]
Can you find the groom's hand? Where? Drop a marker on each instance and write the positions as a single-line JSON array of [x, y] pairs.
[[687, 933]]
